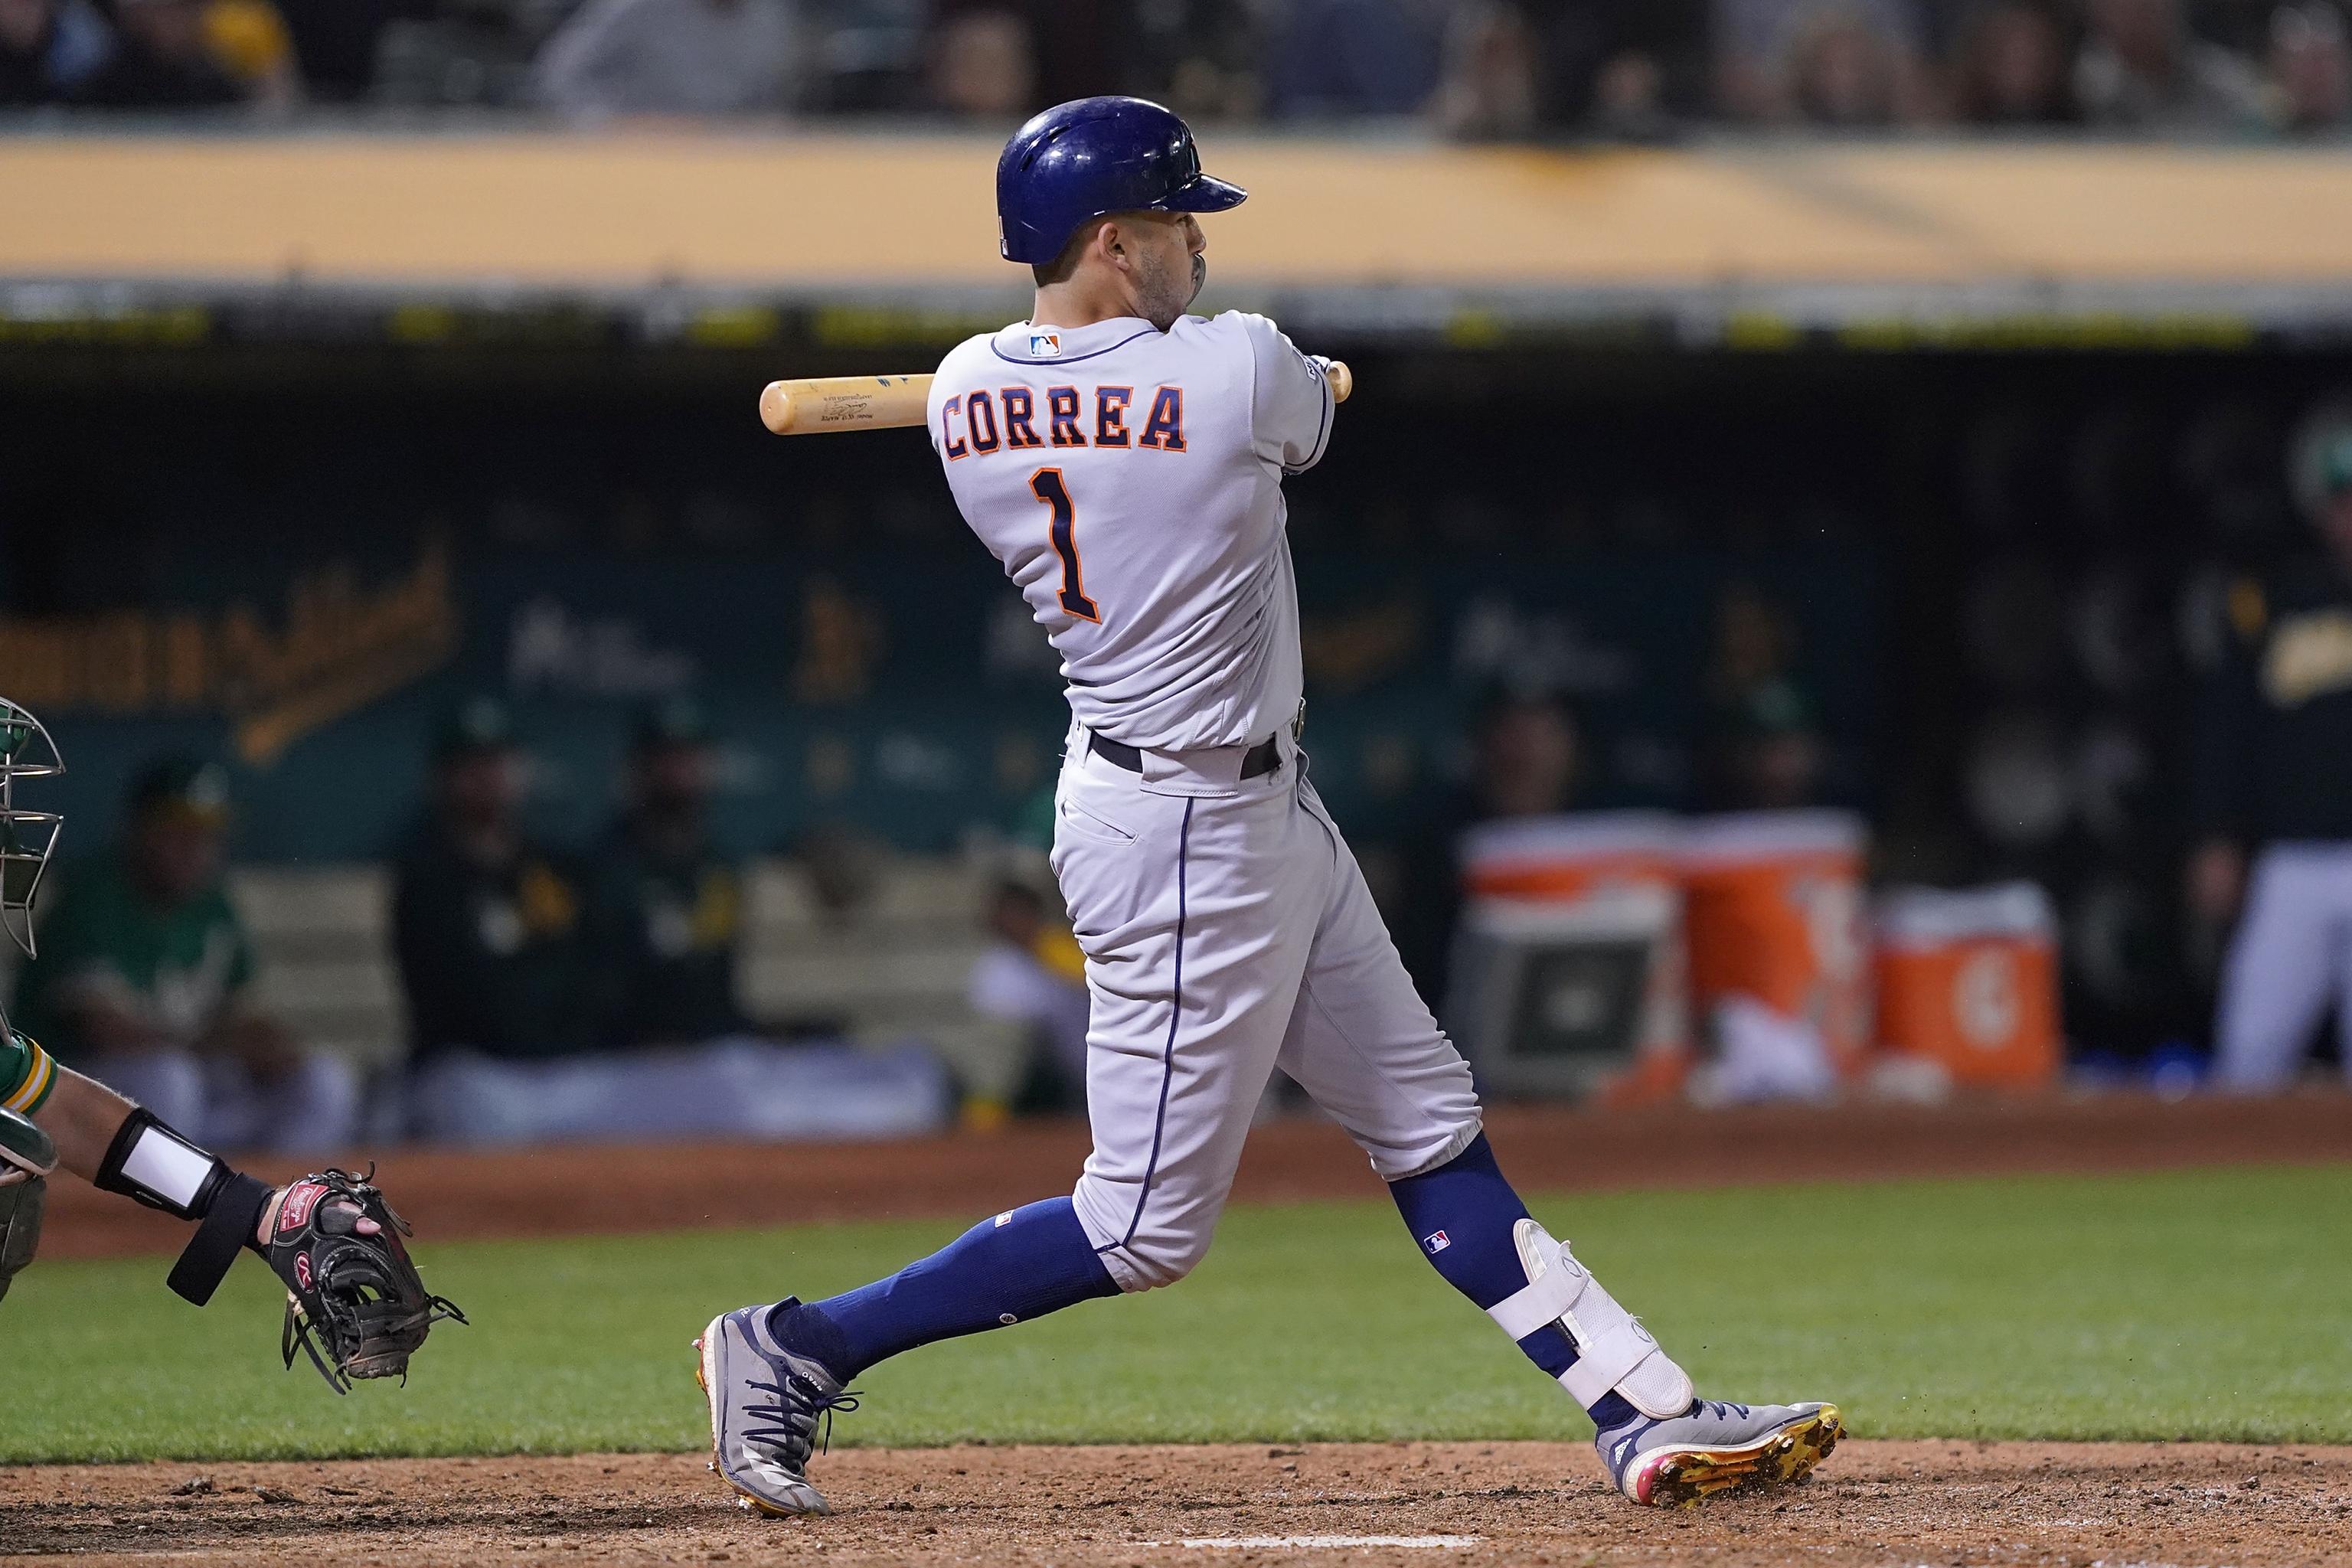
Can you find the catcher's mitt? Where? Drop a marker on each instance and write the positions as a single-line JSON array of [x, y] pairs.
[[348, 1280]]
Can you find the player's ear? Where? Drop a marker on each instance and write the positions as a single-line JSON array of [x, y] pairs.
[[1111, 243]]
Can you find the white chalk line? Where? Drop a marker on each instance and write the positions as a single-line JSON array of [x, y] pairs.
[[1319, 1542]]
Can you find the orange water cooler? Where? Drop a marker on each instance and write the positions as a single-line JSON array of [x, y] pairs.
[[1778, 952], [1970, 982]]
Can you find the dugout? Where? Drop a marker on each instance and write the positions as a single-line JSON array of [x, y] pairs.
[[309, 436]]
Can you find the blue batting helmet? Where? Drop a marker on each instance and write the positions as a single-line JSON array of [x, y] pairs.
[[1091, 157]]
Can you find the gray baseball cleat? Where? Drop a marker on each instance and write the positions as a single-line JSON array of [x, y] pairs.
[[1716, 1447], [764, 1404]]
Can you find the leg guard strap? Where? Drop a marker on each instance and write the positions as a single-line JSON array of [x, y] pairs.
[[21, 1204], [27, 1157], [1613, 1352], [1548, 1296]]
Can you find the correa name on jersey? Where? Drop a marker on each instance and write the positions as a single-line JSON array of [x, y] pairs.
[[1005, 419]]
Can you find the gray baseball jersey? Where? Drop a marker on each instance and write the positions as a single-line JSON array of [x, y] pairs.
[[1131, 483]]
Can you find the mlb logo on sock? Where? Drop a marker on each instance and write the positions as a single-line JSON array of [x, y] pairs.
[[1004, 1219], [1437, 1241]]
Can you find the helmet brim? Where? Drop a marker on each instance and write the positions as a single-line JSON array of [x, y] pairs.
[[1203, 193]]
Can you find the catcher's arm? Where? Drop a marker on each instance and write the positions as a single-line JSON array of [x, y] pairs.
[[330, 1239], [81, 1115]]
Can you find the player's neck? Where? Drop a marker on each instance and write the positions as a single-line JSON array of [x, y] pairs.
[[1080, 302]]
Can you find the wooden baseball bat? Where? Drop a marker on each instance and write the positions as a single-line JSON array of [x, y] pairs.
[[885, 402]]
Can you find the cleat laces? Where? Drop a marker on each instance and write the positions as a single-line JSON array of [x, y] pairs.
[[793, 1439]]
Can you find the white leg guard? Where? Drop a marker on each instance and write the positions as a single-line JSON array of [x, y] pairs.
[[1613, 1350]]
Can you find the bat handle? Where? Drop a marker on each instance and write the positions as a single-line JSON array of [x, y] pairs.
[[1342, 380]]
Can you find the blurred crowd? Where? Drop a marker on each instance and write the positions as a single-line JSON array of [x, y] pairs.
[[1475, 69]]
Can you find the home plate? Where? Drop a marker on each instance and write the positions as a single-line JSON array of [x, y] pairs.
[[1326, 1542]]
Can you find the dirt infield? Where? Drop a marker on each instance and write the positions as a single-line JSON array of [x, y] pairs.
[[591, 1190], [1876, 1503]]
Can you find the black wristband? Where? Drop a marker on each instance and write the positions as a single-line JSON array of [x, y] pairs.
[[228, 1226]]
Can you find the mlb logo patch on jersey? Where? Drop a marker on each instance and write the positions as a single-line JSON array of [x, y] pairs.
[[1437, 1241], [1044, 346]]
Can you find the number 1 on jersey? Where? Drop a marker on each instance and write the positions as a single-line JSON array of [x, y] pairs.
[[1046, 484]]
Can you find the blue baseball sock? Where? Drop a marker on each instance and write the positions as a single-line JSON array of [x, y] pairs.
[[1023, 1264], [1463, 1214]]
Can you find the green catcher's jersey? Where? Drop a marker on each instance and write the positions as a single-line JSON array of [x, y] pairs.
[[27, 1074]]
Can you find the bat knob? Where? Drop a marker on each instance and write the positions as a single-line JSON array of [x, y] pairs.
[[776, 408], [1342, 380]]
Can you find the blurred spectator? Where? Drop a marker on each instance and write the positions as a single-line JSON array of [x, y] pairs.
[[1630, 68], [1524, 759], [983, 66], [487, 922], [1765, 749], [843, 866], [872, 55], [2141, 69], [2275, 780], [468, 56], [1489, 89], [2241, 25], [1770, 755], [145, 982], [1755, 642], [2010, 66], [1843, 67], [48, 50], [2310, 85], [335, 41], [668, 906], [1527, 758], [1034, 978], [1335, 58], [675, 56], [247, 38], [1080, 50], [161, 60], [1840, 71], [1829, 62], [1200, 58]]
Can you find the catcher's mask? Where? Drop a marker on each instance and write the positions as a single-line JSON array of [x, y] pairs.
[[27, 838]]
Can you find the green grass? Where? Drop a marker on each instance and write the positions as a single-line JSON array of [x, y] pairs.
[[2207, 1304]]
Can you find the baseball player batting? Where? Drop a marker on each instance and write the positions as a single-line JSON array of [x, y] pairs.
[[1124, 461]]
